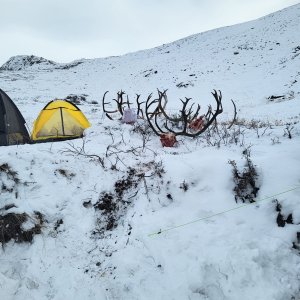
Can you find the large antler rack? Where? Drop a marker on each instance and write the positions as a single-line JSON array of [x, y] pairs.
[[186, 117]]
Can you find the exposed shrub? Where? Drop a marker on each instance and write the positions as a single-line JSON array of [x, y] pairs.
[[246, 187], [281, 220]]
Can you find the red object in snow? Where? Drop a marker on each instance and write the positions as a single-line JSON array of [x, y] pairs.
[[168, 139], [197, 124]]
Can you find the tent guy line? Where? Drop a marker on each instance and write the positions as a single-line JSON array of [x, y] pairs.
[[222, 212]]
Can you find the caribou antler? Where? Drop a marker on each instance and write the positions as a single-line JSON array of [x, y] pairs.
[[140, 113], [107, 112], [120, 104], [234, 117], [187, 116]]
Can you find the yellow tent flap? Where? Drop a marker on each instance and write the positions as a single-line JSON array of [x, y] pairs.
[[59, 120]]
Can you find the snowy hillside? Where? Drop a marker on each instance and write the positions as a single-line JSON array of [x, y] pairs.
[[101, 207]]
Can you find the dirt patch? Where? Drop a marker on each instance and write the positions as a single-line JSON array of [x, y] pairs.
[[13, 227], [113, 204], [106, 203], [64, 173], [125, 184]]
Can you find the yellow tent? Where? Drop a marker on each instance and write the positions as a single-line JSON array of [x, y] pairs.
[[59, 120]]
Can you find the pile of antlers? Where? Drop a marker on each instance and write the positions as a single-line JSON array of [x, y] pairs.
[[189, 122]]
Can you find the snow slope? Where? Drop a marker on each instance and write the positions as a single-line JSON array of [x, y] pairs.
[[241, 254]]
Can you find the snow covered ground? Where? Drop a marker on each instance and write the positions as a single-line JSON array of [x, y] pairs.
[[91, 251]]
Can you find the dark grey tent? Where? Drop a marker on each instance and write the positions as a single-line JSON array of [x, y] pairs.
[[12, 123]]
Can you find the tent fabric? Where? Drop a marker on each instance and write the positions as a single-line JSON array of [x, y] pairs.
[[12, 123], [59, 120]]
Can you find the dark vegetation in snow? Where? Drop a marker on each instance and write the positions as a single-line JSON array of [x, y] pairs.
[[148, 73], [296, 244], [184, 186], [184, 84], [113, 205], [70, 65], [246, 186], [64, 173], [279, 98], [76, 99], [11, 227], [122, 185], [11, 224], [11, 174], [9, 180], [281, 219], [289, 128], [57, 224]]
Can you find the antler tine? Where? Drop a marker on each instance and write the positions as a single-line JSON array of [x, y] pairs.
[[196, 113], [121, 93], [185, 115], [163, 93], [218, 99], [120, 101], [156, 110], [157, 125], [107, 112], [162, 108], [128, 102], [185, 103], [234, 117], [148, 104], [149, 97], [139, 110], [209, 112]]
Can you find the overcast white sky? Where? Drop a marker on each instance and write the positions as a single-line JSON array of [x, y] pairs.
[[65, 30]]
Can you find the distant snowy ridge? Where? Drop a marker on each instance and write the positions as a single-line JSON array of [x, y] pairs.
[[22, 62]]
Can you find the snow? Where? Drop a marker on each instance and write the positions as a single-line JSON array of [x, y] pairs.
[[239, 254]]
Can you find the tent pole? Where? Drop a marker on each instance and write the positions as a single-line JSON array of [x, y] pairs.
[[62, 121]]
